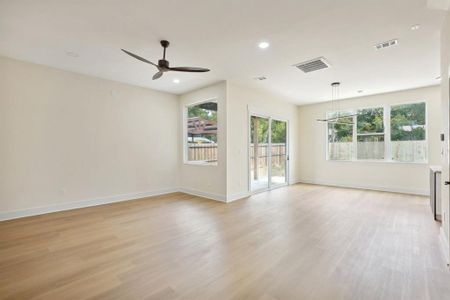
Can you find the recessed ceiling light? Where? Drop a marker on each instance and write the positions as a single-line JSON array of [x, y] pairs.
[[263, 45], [415, 27], [260, 78], [72, 54], [176, 80]]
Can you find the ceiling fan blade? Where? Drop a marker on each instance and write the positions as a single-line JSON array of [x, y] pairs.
[[139, 58], [189, 69], [157, 75]]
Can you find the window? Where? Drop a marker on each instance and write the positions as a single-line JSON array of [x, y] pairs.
[[389, 133], [370, 133], [340, 136], [202, 132], [408, 133]]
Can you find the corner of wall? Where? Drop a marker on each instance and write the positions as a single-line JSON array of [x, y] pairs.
[[209, 181], [445, 64]]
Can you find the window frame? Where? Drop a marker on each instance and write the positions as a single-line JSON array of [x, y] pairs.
[[426, 133], [356, 134], [387, 135], [327, 148], [185, 146]]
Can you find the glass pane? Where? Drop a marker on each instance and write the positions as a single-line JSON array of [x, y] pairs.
[[259, 138], [340, 136], [408, 132], [409, 151], [370, 134], [370, 121], [202, 132], [279, 130], [370, 146]]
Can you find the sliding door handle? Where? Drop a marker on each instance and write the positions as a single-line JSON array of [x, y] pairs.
[[446, 182]]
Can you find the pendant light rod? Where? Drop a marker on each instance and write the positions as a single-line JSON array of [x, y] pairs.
[[335, 106], [334, 95]]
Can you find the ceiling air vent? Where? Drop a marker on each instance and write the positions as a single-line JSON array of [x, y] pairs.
[[386, 44], [313, 65]]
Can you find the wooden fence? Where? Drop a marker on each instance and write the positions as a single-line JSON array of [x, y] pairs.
[[401, 151], [416, 151], [412, 151], [278, 154], [202, 152], [278, 166], [208, 152]]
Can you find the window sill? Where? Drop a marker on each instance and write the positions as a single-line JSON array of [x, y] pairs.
[[201, 163], [379, 161]]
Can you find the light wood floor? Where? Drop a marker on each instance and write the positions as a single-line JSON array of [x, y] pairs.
[[299, 242]]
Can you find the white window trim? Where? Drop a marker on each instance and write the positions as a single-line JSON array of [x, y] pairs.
[[185, 144], [426, 131], [387, 135]]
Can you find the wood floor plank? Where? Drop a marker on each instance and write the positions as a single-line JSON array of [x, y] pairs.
[[298, 242]]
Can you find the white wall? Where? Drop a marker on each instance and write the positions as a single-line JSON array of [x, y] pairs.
[[445, 65], [229, 179], [67, 137], [240, 101], [69, 140], [401, 177], [206, 180]]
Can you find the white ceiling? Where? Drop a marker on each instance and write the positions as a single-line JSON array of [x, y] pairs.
[[223, 35]]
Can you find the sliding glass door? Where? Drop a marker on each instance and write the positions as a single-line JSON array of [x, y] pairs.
[[259, 159], [267, 153], [279, 154]]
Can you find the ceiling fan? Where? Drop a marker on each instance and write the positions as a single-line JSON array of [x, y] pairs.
[[163, 64]]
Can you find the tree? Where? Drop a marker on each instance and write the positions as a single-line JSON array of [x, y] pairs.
[[408, 122], [341, 129], [278, 131], [197, 111], [370, 120], [262, 130]]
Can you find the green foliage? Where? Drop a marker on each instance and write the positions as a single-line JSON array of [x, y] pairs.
[[278, 131], [370, 120], [341, 130], [197, 111], [262, 126], [408, 122]]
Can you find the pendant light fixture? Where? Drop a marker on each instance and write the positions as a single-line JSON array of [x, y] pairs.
[[338, 116]]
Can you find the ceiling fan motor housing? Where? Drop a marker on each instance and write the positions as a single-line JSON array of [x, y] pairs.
[[162, 63]]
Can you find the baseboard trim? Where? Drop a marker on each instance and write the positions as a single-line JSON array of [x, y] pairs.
[[369, 187], [9, 215], [207, 195], [238, 196], [294, 181], [444, 245], [35, 211]]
